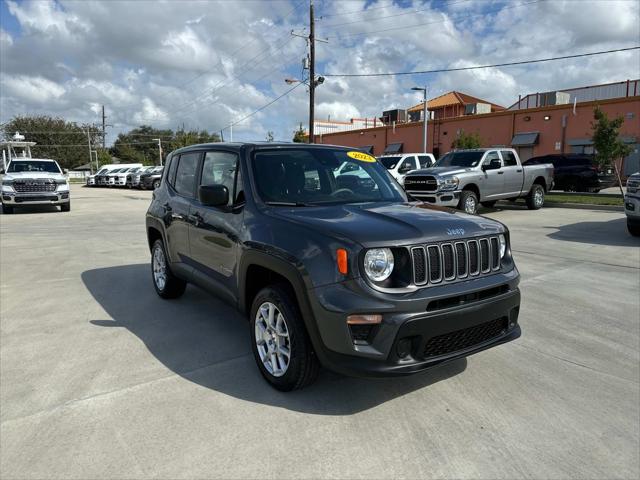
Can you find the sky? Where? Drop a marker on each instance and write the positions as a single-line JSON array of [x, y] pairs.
[[208, 64]]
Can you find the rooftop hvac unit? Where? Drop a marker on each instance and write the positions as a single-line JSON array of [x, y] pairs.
[[397, 115], [477, 108], [554, 98]]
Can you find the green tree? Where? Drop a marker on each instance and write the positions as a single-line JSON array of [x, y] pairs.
[[467, 140], [300, 136], [606, 141], [63, 141], [140, 145]]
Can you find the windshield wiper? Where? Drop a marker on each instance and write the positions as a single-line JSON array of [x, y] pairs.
[[288, 204]]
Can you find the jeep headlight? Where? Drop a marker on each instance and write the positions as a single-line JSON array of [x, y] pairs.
[[378, 264], [503, 245], [450, 183]]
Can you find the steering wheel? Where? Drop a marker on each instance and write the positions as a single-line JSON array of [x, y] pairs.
[[342, 192]]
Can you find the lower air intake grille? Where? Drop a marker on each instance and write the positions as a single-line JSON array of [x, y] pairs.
[[463, 339]]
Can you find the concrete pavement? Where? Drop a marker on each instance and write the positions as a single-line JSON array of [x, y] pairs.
[[99, 378]]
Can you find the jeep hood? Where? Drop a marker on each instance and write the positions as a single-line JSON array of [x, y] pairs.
[[33, 175], [440, 171], [386, 224]]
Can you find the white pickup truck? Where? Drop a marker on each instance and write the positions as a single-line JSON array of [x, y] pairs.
[[34, 181], [465, 178]]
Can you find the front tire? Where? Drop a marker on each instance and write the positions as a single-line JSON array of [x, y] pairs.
[[279, 340], [535, 199], [468, 202], [167, 285], [633, 229], [65, 207]]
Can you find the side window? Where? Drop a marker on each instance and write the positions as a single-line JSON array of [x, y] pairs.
[[408, 164], [509, 159], [425, 161], [350, 167], [220, 168], [185, 182], [491, 156], [171, 176]]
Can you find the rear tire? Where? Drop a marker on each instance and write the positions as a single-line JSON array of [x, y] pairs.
[[7, 209], [277, 330], [535, 199], [633, 229], [488, 204], [468, 202], [65, 207], [167, 285]]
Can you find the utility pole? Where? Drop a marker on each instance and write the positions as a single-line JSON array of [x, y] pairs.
[[425, 112], [104, 124], [159, 149], [312, 69], [91, 156]]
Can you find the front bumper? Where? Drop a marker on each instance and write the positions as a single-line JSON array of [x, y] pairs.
[[443, 199], [419, 330], [44, 198], [632, 207]]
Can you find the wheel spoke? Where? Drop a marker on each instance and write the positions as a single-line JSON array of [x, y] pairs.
[[272, 339]]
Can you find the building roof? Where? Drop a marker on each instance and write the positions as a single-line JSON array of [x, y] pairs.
[[453, 98]]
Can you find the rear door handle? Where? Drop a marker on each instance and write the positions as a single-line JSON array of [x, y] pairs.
[[519, 171], [177, 216], [167, 207], [195, 218], [500, 173]]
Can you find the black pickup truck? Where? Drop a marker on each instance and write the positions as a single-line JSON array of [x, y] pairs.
[[332, 269]]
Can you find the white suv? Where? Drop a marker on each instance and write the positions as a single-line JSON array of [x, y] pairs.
[[401, 164]]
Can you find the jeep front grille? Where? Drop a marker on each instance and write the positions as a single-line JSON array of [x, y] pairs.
[[449, 261], [34, 186]]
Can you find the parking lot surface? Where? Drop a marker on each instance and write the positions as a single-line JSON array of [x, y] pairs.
[[99, 378]]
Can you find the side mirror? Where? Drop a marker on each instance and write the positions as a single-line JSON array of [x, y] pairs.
[[65, 171], [404, 170], [213, 195], [494, 164]]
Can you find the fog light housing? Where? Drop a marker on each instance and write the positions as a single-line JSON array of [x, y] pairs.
[[403, 348]]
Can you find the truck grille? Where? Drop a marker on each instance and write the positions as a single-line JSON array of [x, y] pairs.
[[463, 339], [420, 183], [33, 186], [446, 262]]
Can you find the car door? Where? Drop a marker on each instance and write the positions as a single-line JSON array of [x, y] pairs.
[[407, 165], [215, 231], [513, 174], [493, 185], [425, 161], [180, 194]]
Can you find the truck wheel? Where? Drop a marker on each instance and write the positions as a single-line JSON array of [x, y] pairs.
[[156, 184], [468, 202], [280, 344], [7, 209], [488, 204], [633, 229], [167, 285], [535, 199], [65, 207]]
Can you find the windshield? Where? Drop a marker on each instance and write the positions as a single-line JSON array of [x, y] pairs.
[[310, 176], [460, 159], [389, 162], [17, 166]]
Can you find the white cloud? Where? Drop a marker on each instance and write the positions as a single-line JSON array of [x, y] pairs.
[[208, 64]]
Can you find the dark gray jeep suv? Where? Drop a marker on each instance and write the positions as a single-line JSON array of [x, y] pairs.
[[335, 269]]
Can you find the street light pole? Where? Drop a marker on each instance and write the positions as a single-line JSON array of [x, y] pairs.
[[159, 149], [425, 113]]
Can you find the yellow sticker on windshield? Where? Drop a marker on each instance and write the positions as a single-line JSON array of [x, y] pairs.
[[363, 157]]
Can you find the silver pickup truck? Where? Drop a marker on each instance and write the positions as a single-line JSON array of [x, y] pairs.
[[465, 178]]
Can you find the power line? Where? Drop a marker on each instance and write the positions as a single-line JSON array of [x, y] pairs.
[[334, 25], [495, 65], [407, 27]]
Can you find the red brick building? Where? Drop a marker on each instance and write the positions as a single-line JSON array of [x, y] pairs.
[[532, 131]]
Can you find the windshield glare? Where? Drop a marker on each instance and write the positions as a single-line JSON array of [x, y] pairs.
[[321, 176], [460, 159], [389, 162], [17, 166]]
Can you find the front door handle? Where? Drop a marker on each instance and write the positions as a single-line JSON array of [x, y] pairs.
[[500, 173], [519, 171], [195, 218]]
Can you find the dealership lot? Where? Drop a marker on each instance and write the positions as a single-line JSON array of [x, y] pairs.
[[100, 378]]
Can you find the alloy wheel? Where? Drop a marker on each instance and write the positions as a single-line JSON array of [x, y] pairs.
[[159, 268], [538, 197], [470, 205], [272, 339]]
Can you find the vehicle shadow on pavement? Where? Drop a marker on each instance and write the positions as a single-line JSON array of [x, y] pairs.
[[207, 342], [33, 209], [612, 233]]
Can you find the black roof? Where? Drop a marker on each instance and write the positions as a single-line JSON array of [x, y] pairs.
[[239, 145]]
